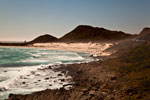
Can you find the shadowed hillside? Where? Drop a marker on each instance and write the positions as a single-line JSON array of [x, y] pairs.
[[84, 33], [144, 34], [44, 39]]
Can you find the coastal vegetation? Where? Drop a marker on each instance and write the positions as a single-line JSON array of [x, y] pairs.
[[133, 70]]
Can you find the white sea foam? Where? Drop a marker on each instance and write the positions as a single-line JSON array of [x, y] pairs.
[[33, 72], [26, 80]]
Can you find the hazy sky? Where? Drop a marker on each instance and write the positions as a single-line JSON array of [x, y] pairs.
[[26, 19]]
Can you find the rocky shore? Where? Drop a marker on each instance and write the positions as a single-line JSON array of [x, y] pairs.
[[92, 81]]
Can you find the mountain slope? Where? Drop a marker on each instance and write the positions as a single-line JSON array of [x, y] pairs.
[[89, 33], [146, 30], [144, 34]]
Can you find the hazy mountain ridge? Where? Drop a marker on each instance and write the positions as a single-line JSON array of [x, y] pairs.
[[86, 33]]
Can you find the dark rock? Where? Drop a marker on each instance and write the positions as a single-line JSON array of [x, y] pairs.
[[60, 75], [37, 75], [139, 97], [32, 72], [79, 72], [65, 72], [50, 84], [77, 84], [2, 89], [46, 78], [55, 81], [11, 95], [86, 80], [92, 93], [50, 67], [131, 91], [113, 78], [97, 85], [52, 77], [25, 78], [62, 80], [67, 85], [23, 82]]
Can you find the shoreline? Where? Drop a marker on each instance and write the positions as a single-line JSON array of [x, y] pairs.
[[96, 49], [89, 84], [89, 87]]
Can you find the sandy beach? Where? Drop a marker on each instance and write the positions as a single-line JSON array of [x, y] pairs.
[[96, 49]]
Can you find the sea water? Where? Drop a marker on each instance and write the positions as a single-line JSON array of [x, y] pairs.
[[24, 70]]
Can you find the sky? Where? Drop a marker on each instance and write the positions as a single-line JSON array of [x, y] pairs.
[[26, 19]]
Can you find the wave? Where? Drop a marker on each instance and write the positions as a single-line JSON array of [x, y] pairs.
[[25, 80], [26, 70]]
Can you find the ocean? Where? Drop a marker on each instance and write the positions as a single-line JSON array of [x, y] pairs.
[[26, 70]]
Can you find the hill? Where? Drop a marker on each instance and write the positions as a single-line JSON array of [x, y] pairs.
[[44, 39], [84, 33], [144, 34], [41, 39]]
